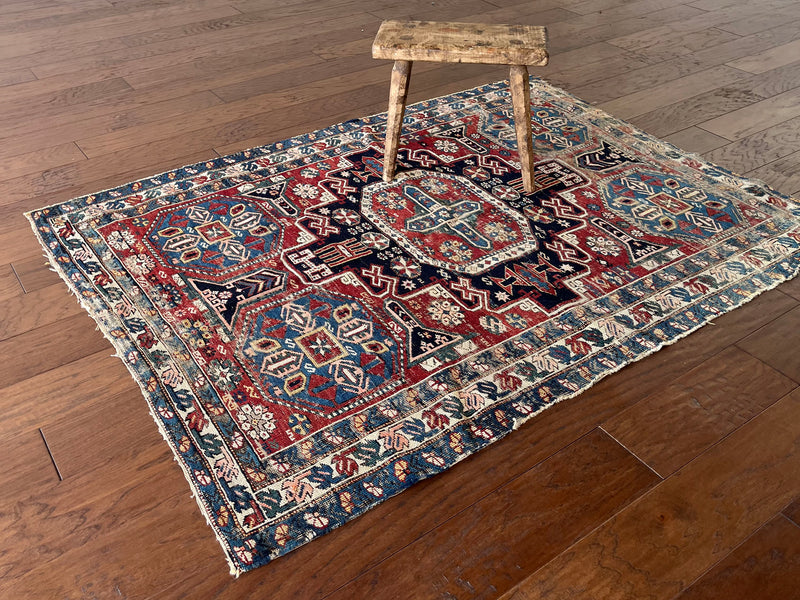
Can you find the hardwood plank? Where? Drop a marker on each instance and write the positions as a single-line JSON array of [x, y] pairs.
[[756, 117], [244, 118], [63, 89], [117, 513], [760, 22], [294, 78], [98, 30], [793, 512], [113, 113], [694, 139], [19, 15], [37, 309], [748, 45], [782, 174], [10, 286], [775, 81], [26, 466], [582, 75], [377, 105], [40, 160], [678, 43], [766, 566], [441, 10], [108, 431], [640, 79], [768, 59], [487, 548], [88, 176], [691, 520], [44, 348], [760, 148], [714, 4], [601, 27], [69, 389], [682, 88], [792, 288], [695, 110], [675, 33], [18, 243], [765, 344], [617, 8], [587, 55], [34, 274], [671, 427], [16, 76]]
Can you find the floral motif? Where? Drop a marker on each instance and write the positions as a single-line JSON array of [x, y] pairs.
[[224, 373], [445, 146], [256, 420], [121, 240], [140, 264], [306, 190], [406, 267], [455, 250], [603, 245], [446, 313]]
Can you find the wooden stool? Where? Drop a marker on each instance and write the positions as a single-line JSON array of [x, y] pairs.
[[515, 45]]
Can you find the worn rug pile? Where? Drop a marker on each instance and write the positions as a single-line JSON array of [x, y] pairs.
[[312, 340]]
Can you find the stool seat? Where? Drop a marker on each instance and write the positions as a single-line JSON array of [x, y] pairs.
[[515, 45], [461, 43]]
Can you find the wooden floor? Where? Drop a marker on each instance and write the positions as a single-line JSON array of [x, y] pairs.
[[678, 477]]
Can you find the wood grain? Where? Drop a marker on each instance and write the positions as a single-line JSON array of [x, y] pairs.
[[793, 511], [766, 566], [769, 59], [35, 351], [756, 117], [34, 274], [694, 139], [692, 520], [766, 345], [678, 89], [22, 312], [521, 101], [668, 429], [10, 286], [694, 111], [760, 148], [72, 388], [783, 174], [461, 42]]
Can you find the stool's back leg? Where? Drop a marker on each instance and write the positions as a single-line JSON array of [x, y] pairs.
[[401, 72], [521, 98]]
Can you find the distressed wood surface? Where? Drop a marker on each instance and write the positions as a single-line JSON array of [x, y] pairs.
[[521, 100], [398, 91], [461, 42]]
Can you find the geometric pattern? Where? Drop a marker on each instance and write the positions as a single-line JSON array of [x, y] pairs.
[[474, 229], [312, 340]]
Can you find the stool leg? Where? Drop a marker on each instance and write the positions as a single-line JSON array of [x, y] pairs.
[[521, 98], [401, 72]]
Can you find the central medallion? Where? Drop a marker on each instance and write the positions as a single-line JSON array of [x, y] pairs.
[[447, 221]]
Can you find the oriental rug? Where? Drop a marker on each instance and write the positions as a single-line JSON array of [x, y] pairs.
[[312, 341]]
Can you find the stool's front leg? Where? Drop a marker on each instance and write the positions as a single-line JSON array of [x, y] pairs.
[[401, 72], [521, 98]]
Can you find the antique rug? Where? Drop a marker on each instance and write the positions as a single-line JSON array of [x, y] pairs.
[[312, 341]]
